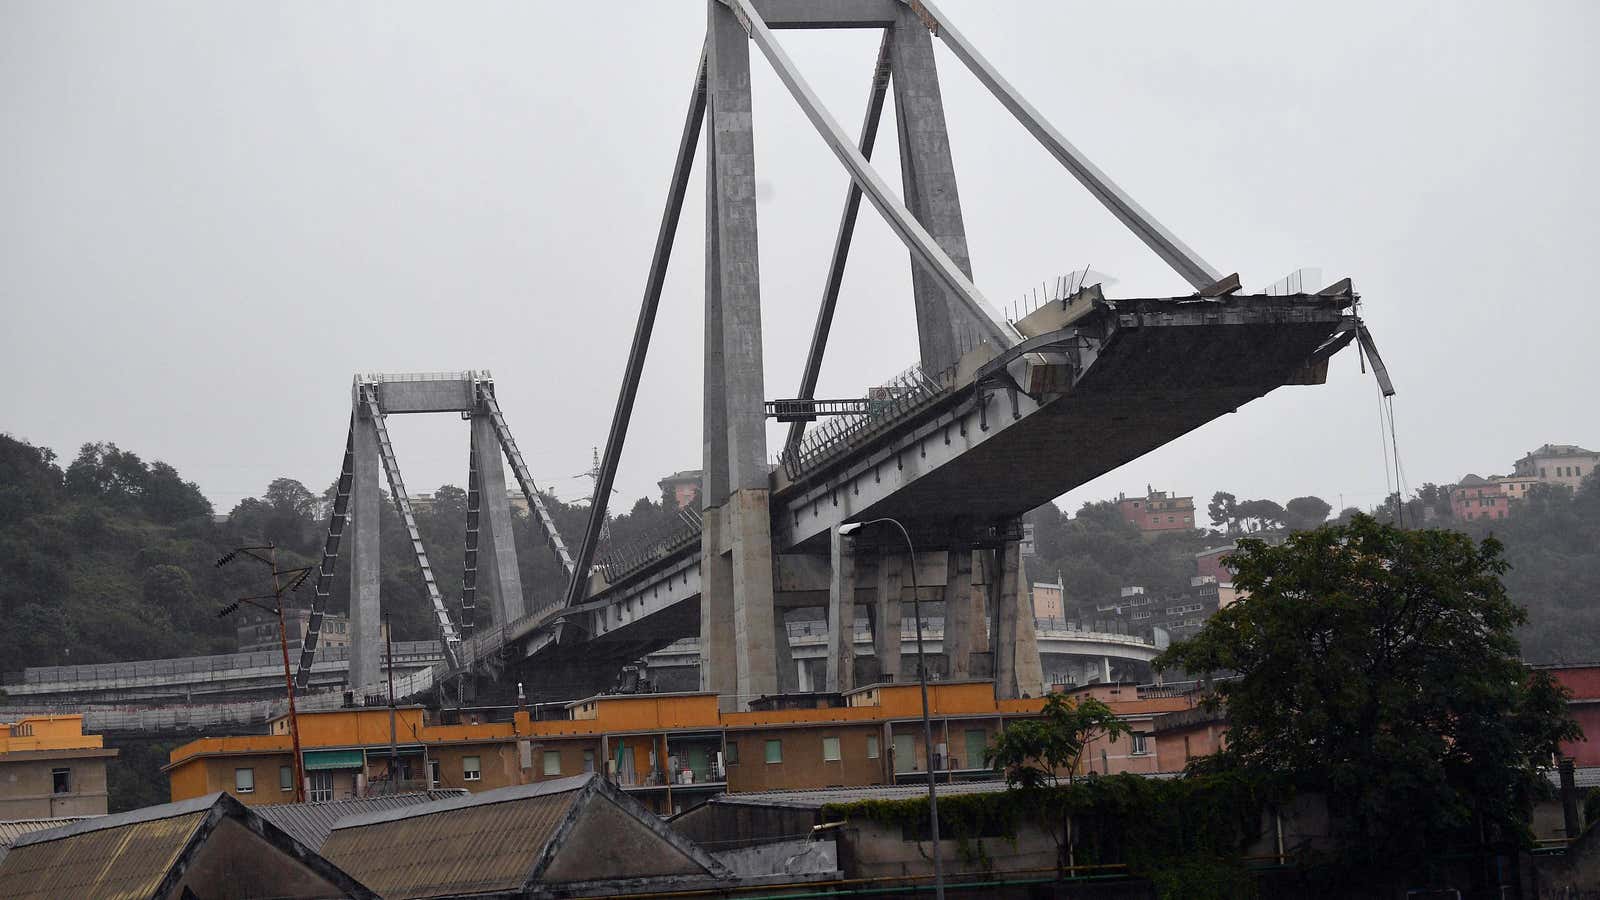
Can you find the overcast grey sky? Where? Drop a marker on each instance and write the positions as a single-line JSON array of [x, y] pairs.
[[212, 214]]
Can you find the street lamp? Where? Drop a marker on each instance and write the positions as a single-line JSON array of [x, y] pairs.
[[922, 680], [280, 586]]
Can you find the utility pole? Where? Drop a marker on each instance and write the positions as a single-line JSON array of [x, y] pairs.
[[268, 554]]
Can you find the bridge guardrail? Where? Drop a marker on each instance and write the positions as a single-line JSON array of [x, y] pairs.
[[117, 673], [905, 394]]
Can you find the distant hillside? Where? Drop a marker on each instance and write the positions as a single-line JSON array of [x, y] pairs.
[[112, 558], [1551, 540]]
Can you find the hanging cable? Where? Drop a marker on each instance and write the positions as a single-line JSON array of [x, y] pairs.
[[1399, 476], [1383, 448]]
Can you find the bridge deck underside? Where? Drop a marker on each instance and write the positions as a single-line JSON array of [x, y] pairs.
[[1150, 386], [570, 669]]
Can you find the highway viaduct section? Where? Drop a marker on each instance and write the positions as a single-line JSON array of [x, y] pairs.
[[998, 415]]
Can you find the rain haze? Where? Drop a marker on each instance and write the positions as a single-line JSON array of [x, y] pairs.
[[212, 215]]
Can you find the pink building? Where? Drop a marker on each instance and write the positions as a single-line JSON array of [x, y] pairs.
[[1157, 512], [1479, 498]]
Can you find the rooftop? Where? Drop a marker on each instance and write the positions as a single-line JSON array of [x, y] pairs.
[[310, 823]]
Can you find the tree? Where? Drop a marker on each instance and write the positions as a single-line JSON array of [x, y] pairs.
[[168, 498], [1305, 513], [1260, 515], [1221, 510], [1378, 666], [1034, 752]]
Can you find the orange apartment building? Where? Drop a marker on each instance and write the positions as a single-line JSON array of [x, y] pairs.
[[671, 751], [50, 769]]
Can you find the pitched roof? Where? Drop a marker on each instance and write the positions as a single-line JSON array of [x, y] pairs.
[[512, 838], [309, 823], [141, 853], [10, 831]]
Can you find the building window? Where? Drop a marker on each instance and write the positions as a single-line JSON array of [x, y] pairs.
[[731, 754], [830, 750], [872, 746], [469, 768], [588, 760], [433, 774], [1140, 742], [321, 787], [775, 751], [244, 781], [285, 778], [60, 781], [552, 762]]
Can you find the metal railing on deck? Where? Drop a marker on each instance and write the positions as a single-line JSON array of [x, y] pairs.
[[905, 394]]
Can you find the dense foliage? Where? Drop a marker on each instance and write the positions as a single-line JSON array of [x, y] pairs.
[[1551, 546], [111, 558], [1378, 666], [1187, 834]]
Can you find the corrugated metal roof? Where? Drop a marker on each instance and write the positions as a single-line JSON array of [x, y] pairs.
[[117, 820], [309, 823], [112, 863], [816, 799], [453, 846], [10, 831], [482, 798]]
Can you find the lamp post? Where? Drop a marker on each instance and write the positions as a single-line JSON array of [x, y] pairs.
[[296, 577], [922, 681]]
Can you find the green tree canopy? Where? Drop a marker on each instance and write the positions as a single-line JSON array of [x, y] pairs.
[[1378, 666], [1307, 512]]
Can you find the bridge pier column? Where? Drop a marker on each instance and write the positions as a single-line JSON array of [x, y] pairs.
[[717, 672], [366, 612], [1016, 658], [841, 615], [497, 550], [735, 400], [963, 619], [929, 184], [886, 620]]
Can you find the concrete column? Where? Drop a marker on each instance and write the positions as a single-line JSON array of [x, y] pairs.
[[841, 615], [717, 672], [959, 621], [497, 549], [929, 184], [1017, 668], [366, 614], [736, 290], [783, 655], [887, 617], [754, 625]]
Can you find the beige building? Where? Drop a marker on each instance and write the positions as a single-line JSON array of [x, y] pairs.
[[1048, 600], [1566, 464], [50, 769]]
